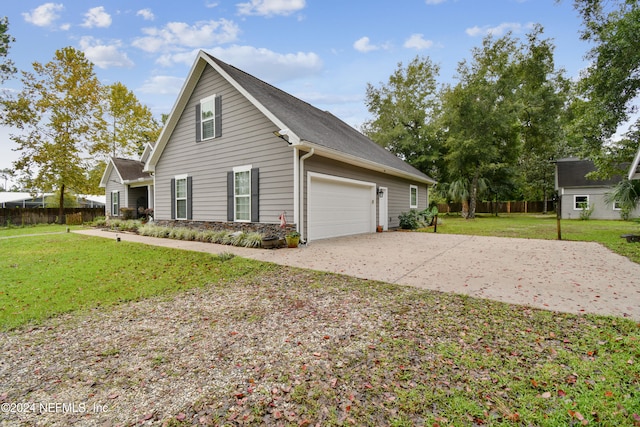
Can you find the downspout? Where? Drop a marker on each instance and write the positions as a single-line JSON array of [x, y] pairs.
[[303, 236]]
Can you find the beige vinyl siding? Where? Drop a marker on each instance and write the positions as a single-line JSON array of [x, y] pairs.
[[247, 139], [398, 188]]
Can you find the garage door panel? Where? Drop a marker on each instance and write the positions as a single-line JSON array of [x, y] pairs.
[[339, 208]]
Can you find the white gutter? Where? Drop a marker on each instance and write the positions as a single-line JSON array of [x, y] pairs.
[[301, 194]]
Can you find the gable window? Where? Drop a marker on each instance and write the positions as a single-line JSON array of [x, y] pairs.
[[413, 196], [242, 193], [115, 203], [209, 118], [181, 197], [580, 202]]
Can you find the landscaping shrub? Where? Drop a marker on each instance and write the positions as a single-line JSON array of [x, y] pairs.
[[415, 219], [221, 237]]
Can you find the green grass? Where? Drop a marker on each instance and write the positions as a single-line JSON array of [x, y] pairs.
[[42, 276], [417, 358], [35, 229], [530, 226]]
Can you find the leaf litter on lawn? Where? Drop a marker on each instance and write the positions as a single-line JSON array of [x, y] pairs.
[[285, 346]]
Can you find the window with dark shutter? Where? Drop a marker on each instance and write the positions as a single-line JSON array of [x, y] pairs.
[[243, 198]]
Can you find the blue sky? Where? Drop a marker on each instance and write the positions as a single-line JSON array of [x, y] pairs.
[[322, 51]]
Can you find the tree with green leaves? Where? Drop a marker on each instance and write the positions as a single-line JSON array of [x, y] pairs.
[[7, 68], [404, 111], [58, 115], [543, 96], [129, 124], [610, 85], [481, 116]]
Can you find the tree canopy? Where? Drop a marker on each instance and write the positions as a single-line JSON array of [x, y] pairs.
[[58, 115], [7, 68], [129, 124], [405, 109], [610, 86]]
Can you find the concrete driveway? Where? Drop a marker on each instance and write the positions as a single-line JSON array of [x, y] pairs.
[[574, 277]]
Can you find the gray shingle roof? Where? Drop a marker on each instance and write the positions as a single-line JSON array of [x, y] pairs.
[[130, 170], [572, 171], [314, 125]]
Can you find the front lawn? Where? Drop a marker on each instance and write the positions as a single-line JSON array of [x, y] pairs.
[[538, 226], [45, 275], [242, 342]]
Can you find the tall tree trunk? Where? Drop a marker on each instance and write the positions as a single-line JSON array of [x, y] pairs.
[[61, 206], [473, 195]]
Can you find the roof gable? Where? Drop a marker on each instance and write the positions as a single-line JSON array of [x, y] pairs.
[[306, 125], [128, 171]]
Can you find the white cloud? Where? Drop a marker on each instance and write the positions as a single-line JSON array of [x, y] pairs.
[[97, 17], [270, 7], [435, 1], [104, 55], [263, 63], [499, 30], [418, 42], [364, 45], [146, 14], [162, 85], [43, 15], [175, 35]]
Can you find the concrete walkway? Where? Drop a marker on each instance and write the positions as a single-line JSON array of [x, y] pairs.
[[573, 277]]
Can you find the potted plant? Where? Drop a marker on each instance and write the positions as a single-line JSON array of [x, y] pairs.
[[292, 239]]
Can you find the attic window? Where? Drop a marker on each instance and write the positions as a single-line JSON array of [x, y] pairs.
[[209, 118]]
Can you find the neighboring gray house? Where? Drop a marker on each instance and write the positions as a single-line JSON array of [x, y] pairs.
[[240, 152], [127, 186], [575, 190]]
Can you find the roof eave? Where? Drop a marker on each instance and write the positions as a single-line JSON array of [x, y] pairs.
[[366, 164], [107, 172]]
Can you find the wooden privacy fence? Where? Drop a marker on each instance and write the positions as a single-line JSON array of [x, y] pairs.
[[32, 216], [500, 207]]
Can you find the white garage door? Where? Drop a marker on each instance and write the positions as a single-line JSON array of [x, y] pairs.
[[339, 206]]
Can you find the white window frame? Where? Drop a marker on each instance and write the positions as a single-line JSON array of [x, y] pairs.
[[212, 119], [413, 188], [237, 170], [178, 198], [616, 206], [115, 206], [575, 201]]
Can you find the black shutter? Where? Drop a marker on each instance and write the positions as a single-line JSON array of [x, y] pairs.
[[255, 195], [119, 204], [189, 198], [198, 123], [173, 198], [230, 198], [217, 132]]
